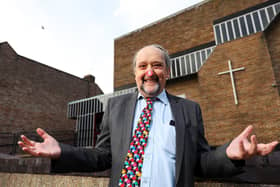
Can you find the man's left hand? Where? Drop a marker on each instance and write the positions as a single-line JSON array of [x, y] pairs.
[[241, 148]]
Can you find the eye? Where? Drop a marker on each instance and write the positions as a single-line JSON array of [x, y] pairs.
[[142, 66], [158, 65]]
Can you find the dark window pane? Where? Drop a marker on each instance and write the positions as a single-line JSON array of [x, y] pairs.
[[257, 21], [198, 60], [224, 32], [250, 24], [277, 8], [188, 64], [173, 73], [178, 67], [193, 63], [243, 26], [203, 56], [218, 34], [264, 18], [230, 31], [270, 13], [183, 70], [208, 52], [236, 28]]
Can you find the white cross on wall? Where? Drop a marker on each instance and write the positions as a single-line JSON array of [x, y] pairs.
[[230, 71]]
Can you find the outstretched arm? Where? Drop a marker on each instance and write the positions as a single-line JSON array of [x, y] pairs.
[[241, 148], [48, 148]]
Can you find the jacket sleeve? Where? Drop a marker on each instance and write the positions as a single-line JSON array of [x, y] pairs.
[[213, 163], [76, 159]]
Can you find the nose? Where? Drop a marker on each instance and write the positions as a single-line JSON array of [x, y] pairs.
[[149, 73]]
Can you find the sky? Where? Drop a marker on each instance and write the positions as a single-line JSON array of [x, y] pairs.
[[77, 36]]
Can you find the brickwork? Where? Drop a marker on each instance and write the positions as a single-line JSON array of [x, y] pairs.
[[186, 30], [257, 86], [273, 43], [35, 95], [259, 102]]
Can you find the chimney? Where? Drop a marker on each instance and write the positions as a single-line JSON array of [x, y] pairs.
[[89, 78]]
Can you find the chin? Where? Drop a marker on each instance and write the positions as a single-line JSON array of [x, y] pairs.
[[151, 92]]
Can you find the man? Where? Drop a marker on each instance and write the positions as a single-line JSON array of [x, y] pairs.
[[176, 150]]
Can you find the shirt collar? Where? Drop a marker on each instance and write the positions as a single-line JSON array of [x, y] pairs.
[[162, 97]]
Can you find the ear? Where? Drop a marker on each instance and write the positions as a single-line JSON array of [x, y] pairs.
[[134, 73], [168, 73]]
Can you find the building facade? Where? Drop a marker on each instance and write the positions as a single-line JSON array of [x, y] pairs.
[[204, 41], [34, 95], [225, 55]]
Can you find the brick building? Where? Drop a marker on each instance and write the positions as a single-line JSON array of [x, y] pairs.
[[35, 95], [225, 55], [201, 40]]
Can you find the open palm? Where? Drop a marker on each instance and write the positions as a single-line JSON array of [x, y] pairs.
[[48, 148], [241, 148]]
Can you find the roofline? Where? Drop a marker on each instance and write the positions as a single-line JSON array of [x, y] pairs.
[[163, 19], [47, 66]]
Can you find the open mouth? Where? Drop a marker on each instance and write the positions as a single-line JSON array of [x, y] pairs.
[[153, 79]]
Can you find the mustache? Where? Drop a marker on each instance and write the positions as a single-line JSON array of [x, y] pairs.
[[153, 77]]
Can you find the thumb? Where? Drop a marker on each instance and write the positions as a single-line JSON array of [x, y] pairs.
[[42, 133]]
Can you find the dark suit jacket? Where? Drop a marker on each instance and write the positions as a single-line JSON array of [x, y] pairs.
[[193, 155]]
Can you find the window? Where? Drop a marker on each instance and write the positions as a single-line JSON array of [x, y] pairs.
[[245, 23], [230, 30], [224, 32], [257, 22], [187, 57], [264, 18], [190, 62], [217, 34], [243, 26], [236, 28], [270, 13], [249, 23]]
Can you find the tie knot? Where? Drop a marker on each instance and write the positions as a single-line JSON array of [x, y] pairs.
[[150, 100]]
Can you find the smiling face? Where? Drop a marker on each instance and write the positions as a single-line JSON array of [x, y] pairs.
[[150, 71]]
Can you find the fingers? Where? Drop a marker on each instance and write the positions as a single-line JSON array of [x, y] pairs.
[[246, 132], [27, 141], [265, 149], [30, 149], [253, 146]]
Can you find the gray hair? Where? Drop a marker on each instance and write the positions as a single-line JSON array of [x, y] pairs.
[[162, 50]]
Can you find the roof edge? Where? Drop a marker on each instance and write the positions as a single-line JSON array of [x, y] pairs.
[[163, 19]]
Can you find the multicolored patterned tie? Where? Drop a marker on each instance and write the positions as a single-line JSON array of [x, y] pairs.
[[131, 172]]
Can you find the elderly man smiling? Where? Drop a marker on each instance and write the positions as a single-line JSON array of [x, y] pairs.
[[151, 138]]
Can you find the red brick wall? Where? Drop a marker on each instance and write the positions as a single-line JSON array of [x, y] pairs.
[[273, 43], [259, 102], [34, 95], [186, 30]]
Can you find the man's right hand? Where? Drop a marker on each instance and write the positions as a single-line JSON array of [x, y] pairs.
[[48, 148]]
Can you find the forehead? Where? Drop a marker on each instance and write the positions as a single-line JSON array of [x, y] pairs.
[[149, 54]]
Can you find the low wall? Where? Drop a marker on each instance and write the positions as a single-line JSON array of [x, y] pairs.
[[35, 180]]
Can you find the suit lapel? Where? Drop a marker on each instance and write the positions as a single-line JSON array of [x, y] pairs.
[[129, 111], [177, 112]]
